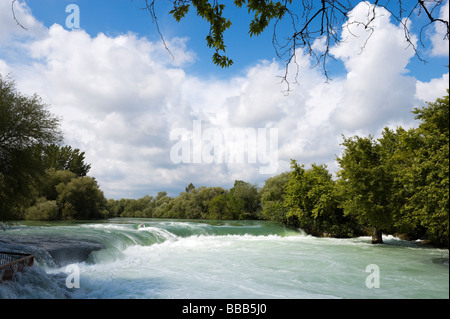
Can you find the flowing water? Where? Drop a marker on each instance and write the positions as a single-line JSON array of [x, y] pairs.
[[151, 258]]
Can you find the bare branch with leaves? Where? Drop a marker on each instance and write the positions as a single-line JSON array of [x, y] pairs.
[[310, 21]]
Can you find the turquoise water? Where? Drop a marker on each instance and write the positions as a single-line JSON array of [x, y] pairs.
[[149, 258]]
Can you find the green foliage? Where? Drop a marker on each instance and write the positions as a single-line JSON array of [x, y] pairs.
[[63, 195], [195, 203], [161, 204], [141, 207], [218, 208], [38, 178], [272, 199], [313, 199], [213, 13], [81, 198], [25, 126], [419, 162], [243, 200], [203, 199], [431, 193], [65, 158], [180, 11], [367, 184], [400, 183], [49, 182], [43, 210], [264, 11], [397, 150]]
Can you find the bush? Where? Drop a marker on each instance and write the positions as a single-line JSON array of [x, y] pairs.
[[81, 198], [42, 210]]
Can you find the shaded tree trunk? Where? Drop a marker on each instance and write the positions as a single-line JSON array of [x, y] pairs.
[[377, 236]]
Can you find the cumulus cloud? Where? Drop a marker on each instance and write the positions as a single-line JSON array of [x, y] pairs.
[[433, 89], [23, 26], [121, 96], [377, 86], [117, 97], [440, 44]]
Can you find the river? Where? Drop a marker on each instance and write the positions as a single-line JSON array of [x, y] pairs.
[[166, 259]]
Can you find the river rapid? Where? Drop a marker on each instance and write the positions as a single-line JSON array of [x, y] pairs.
[[190, 259]]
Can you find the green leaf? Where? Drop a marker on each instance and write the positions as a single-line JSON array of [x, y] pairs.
[[180, 12]]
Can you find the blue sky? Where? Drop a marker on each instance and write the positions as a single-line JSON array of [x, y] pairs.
[[121, 96], [122, 16]]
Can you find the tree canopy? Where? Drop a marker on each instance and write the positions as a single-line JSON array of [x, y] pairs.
[[26, 126], [367, 184], [39, 179], [65, 158], [298, 24], [418, 161]]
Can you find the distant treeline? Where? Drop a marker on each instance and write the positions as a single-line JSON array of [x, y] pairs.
[[240, 202], [398, 184], [275, 201]]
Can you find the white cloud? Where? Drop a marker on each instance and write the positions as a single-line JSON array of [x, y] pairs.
[[116, 95], [23, 26], [439, 41], [430, 91], [121, 96], [377, 87], [4, 68]]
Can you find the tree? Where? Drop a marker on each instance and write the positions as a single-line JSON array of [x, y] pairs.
[[161, 202], [189, 188], [26, 126], [182, 207], [367, 184], [81, 198], [43, 210], [243, 200], [419, 161], [431, 174], [218, 208], [397, 149], [216, 195], [400, 183], [313, 200], [198, 203], [65, 158], [272, 196], [50, 180], [308, 20]]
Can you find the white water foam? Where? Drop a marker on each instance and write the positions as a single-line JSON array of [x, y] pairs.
[[155, 262]]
